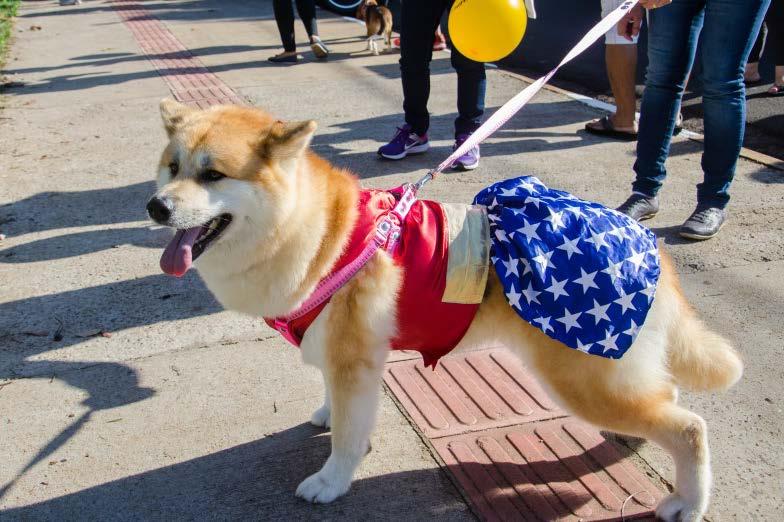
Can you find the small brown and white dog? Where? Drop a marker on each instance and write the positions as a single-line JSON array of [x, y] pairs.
[[269, 218], [378, 21]]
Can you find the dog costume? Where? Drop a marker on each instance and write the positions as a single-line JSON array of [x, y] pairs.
[[582, 273]]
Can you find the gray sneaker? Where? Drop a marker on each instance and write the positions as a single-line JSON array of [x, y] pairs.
[[639, 207], [704, 223]]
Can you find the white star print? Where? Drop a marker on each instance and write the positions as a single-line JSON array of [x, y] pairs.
[[501, 235], [514, 297], [529, 230], [511, 266], [493, 204], [569, 320], [613, 270], [577, 211], [543, 260], [637, 260], [633, 330], [599, 312], [530, 294], [531, 200], [649, 291], [597, 240], [583, 347], [619, 233], [626, 302], [526, 266], [509, 192], [493, 217], [570, 247], [557, 288], [609, 342], [545, 322], [528, 186], [586, 280], [555, 219]]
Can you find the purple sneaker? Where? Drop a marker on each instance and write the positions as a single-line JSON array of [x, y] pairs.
[[469, 160], [404, 143]]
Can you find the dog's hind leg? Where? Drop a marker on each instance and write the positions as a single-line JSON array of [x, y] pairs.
[[350, 344]]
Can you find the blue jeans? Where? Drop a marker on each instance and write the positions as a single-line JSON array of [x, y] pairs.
[[726, 30], [419, 20]]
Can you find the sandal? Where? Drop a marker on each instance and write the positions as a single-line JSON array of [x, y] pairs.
[[776, 90], [285, 58], [606, 128]]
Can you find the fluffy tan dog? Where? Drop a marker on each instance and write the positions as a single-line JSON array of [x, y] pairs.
[[267, 219]]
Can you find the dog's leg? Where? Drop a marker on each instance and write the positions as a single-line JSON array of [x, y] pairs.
[[350, 342], [685, 435], [354, 403], [370, 43], [375, 45], [321, 417]]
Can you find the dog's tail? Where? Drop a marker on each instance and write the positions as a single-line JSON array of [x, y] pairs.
[[699, 359]]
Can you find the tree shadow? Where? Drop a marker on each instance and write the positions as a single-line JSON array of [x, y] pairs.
[[82, 243], [257, 480], [55, 210]]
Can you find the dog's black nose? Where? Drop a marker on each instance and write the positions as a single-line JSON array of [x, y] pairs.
[[160, 209]]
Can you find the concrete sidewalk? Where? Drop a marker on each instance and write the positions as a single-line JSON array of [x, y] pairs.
[[186, 411]]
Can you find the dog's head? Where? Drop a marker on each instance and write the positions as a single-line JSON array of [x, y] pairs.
[[227, 177], [368, 3]]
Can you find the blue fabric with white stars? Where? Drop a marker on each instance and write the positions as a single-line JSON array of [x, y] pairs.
[[582, 273]]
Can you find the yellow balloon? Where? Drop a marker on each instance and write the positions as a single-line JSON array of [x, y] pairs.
[[486, 30]]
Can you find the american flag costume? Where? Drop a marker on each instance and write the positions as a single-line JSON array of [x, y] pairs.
[[582, 273]]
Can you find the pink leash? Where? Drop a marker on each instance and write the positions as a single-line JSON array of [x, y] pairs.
[[389, 228], [387, 236]]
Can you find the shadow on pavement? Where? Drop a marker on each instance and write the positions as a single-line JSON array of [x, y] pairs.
[[257, 480]]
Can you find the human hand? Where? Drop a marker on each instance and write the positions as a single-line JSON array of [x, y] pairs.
[[653, 4], [629, 26]]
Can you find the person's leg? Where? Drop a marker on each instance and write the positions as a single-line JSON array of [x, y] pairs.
[[307, 13], [620, 56], [751, 73], [672, 39], [418, 24], [471, 86], [775, 22], [621, 71], [284, 17], [727, 37], [306, 9]]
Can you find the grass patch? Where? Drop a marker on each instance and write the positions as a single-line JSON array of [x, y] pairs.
[[7, 12]]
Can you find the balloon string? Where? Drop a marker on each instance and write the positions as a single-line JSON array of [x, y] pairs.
[[510, 108]]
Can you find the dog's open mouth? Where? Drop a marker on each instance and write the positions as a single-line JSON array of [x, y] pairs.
[[190, 243]]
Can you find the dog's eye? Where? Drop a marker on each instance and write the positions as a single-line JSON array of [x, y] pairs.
[[212, 175], [174, 168]]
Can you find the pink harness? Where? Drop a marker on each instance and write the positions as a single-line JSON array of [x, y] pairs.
[[387, 236]]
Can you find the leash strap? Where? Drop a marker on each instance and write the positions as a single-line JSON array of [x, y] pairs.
[[510, 108]]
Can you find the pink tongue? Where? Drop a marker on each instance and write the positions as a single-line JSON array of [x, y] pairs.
[[177, 258]]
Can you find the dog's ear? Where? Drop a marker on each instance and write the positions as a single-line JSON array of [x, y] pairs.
[[173, 113], [288, 139]]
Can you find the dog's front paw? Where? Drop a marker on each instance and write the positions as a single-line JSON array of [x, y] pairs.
[[675, 508], [321, 417], [321, 488]]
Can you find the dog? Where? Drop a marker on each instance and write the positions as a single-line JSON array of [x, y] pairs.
[[264, 219], [378, 21]]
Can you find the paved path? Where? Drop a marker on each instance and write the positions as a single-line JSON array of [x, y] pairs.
[[186, 410]]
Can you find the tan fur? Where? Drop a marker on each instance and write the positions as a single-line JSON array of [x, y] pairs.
[[302, 215]]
